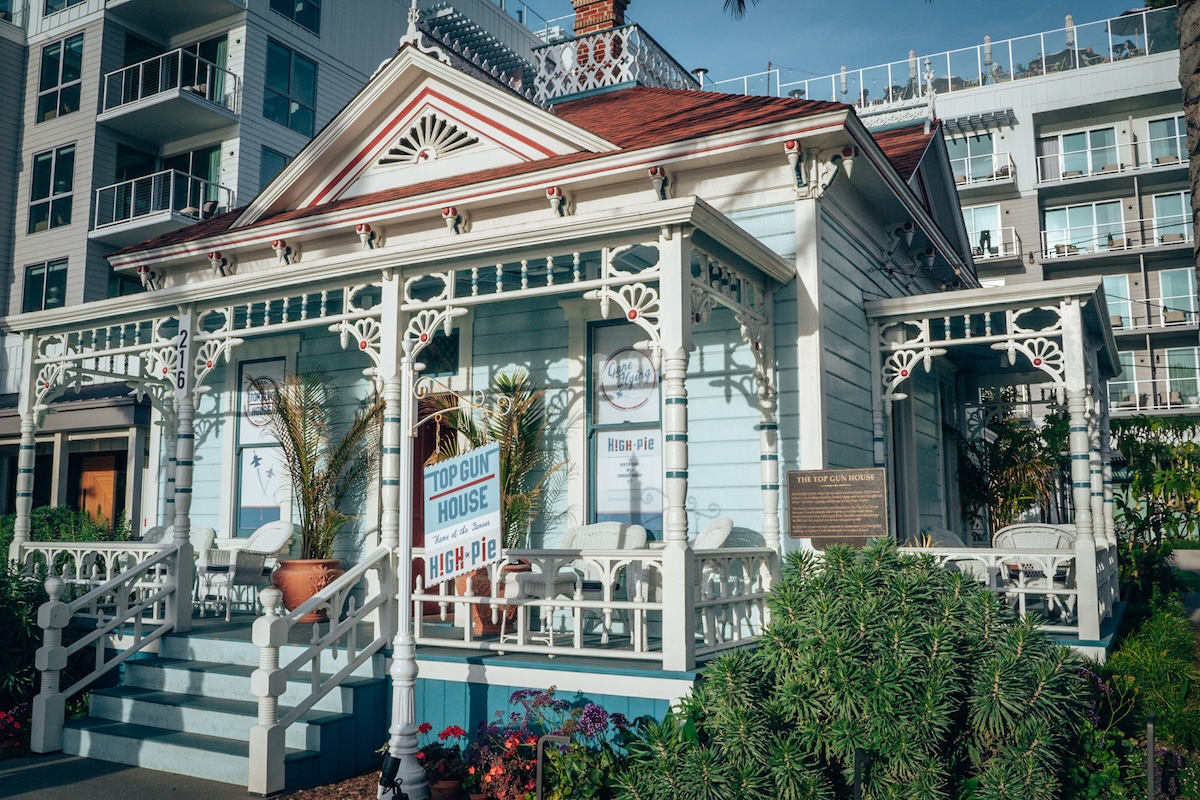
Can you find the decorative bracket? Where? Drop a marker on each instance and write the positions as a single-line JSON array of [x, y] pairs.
[[820, 168], [366, 236], [424, 324], [220, 265], [558, 201], [207, 356], [660, 181], [151, 281], [455, 222], [282, 251], [900, 365]]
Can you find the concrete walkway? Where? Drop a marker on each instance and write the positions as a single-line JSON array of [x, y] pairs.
[[58, 776]]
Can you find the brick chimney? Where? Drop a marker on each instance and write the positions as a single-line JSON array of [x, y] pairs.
[[598, 15]]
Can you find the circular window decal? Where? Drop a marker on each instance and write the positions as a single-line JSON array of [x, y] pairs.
[[260, 398], [628, 380]]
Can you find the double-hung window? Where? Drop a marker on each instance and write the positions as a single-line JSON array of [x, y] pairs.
[[1168, 141], [290, 97], [1085, 228], [50, 193], [305, 13], [45, 286], [1173, 217], [59, 80], [1116, 295]]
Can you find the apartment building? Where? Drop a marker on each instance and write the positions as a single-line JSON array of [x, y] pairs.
[[1069, 152], [132, 118]]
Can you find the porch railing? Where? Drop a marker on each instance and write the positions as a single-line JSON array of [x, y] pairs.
[[166, 191], [126, 606], [338, 648], [1109, 237], [602, 604], [607, 58], [83, 566], [177, 70]]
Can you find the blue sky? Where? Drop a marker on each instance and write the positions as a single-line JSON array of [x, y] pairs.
[[819, 36]]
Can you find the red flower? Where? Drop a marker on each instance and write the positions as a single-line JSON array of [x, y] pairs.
[[424, 727], [452, 732]]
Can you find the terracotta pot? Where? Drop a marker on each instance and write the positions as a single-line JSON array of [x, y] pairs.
[[301, 578], [481, 583], [446, 790]]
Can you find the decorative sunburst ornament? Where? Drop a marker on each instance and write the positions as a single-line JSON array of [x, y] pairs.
[[429, 139]]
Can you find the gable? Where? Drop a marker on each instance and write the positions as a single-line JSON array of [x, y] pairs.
[[418, 120]]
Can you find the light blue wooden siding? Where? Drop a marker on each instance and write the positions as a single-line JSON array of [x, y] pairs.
[[846, 275], [927, 441], [723, 450], [210, 471], [775, 226], [532, 334]]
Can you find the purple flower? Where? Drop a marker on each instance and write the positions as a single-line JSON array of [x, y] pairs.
[[593, 721], [521, 695], [619, 720]]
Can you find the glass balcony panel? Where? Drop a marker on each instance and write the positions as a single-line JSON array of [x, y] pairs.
[[1162, 35], [1027, 56], [877, 85], [1128, 35], [965, 68], [1092, 44]]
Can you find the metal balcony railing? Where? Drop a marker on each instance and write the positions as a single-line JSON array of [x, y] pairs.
[[625, 55], [987, 168], [995, 243], [1107, 237], [1113, 160], [1157, 312], [1162, 394], [167, 191], [178, 70], [1115, 40]]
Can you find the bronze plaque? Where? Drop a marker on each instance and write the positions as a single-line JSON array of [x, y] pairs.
[[837, 506]]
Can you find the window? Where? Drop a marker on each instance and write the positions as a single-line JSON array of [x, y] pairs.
[[306, 13], [1074, 155], [1122, 391], [1168, 140], [120, 285], [1173, 217], [45, 286], [1178, 295], [291, 92], [262, 477], [1086, 228], [983, 230], [59, 81], [50, 194], [270, 165], [974, 159], [53, 6], [1116, 295], [1183, 365]]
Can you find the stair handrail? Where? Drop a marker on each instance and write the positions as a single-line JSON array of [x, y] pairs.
[[153, 578], [269, 681]]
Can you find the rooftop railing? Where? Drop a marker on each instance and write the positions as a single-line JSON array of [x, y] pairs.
[[166, 191], [1119, 39], [177, 70], [625, 55]]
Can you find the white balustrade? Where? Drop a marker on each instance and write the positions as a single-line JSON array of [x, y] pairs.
[[731, 602], [83, 566]]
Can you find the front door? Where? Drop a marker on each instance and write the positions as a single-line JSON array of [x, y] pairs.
[[98, 488]]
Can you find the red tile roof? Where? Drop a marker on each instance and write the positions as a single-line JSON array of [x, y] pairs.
[[905, 146], [635, 118]]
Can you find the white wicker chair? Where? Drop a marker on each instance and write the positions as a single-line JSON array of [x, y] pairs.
[[156, 535], [1040, 536], [247, 565]]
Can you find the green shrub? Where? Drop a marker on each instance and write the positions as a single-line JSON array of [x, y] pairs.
[[62, 524], [925, 670]]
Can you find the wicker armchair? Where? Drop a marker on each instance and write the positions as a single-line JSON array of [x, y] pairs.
[[250, 565]]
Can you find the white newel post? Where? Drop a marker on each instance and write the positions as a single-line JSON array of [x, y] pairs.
[[403, 743], [1075, 355], [27, 455], [267, 683], [179, 608], [49, 706], [679, 563], [392, 439]]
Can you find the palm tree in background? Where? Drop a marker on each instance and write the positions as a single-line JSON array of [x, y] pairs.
[[1188, 24]]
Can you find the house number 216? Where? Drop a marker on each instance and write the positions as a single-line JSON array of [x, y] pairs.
[[181, 371]]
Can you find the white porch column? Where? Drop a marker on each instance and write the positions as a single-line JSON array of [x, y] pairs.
[[1110, 533], [1096, 469], [27, 453], [170, 445], [679, 563], [179, 610], [1075, 377]]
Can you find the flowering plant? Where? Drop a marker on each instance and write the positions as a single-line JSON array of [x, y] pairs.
[[14, 726], [442, 760]]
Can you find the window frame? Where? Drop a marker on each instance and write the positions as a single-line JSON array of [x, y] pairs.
[[47, 267], [1189, 384], [292, 17], [1119, 306], [1089, 150], [290, 97], [51, 199], [1184, 224], [262, 184], [1093, 244], [1127, 382], [47, 10], [977, 166], [1178, 139], [60, 88], [1190, 275]]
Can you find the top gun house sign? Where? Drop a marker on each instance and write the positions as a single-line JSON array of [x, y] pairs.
[[462, 514]]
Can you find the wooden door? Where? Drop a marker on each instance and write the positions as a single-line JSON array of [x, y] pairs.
[[98, 486]]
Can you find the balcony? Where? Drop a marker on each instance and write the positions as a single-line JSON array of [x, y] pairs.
[[148, 14], [170, 97], [1164, 394], [1118, 40], [1152, 156], [985, 169], [1115, 237], [995, 244], [625, 56], [136, 210], [1157, 313]]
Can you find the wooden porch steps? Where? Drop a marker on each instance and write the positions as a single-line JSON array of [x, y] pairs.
[[192, 715]]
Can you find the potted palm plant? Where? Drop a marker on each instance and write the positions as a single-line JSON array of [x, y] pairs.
[[305, 416], [516, 420]]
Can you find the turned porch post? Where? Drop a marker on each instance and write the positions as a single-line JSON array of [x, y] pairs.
[[179, 608], [679, 563], [27, 454], [1075, 377]]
